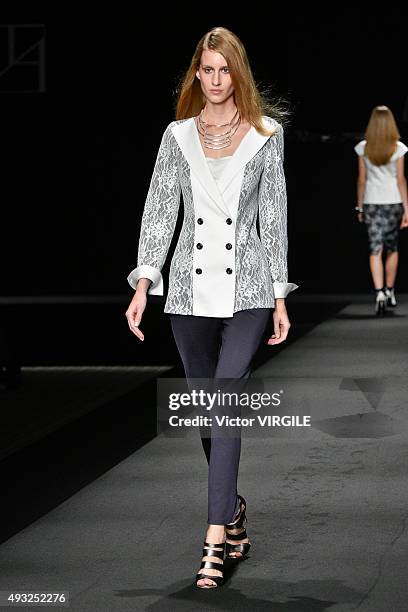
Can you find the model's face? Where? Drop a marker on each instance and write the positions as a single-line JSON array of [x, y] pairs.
[[214, 76]]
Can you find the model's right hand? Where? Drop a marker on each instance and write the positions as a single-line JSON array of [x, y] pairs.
[[135, 311]]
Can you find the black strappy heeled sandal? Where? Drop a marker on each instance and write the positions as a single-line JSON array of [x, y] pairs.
[[243, 547], [212, 550]]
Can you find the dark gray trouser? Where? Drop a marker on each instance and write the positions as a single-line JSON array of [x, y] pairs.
[[221, 348]]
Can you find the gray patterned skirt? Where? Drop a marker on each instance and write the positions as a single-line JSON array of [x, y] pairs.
[[382, 222]]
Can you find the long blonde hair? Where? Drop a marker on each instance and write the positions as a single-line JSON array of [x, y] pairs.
[[251, 103], [381, 136]]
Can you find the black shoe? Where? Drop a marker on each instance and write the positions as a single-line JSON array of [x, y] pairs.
[[217, 552], [237, 533], [380, 302]]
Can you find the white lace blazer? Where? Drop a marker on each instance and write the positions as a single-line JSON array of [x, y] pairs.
[[220, 264]]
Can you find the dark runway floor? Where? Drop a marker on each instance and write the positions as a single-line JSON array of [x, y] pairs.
[[327, 504]]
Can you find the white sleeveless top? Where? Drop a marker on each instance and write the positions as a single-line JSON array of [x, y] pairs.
[[381, 183], [217, 166]]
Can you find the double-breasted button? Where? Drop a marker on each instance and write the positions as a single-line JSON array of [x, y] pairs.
[[198, 270], [200, 221], [199, 245], [229, 221], [228, 246], [228, 271]]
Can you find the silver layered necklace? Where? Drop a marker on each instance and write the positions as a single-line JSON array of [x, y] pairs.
[[219, 140]]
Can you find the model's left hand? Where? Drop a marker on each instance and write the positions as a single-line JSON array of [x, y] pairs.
[[404, 221], [281, 323]]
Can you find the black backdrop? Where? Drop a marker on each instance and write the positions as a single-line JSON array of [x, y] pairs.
[[77, 158]]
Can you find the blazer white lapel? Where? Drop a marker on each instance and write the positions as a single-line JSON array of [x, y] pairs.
[[189, 142], [249, 146]]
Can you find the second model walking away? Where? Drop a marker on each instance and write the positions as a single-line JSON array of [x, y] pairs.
[[382, 200]]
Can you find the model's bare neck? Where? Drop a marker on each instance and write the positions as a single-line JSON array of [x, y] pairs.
[[219, 113]]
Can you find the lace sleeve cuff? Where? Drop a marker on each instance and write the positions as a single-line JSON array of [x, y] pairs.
[[281, 290], [154, 274]]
